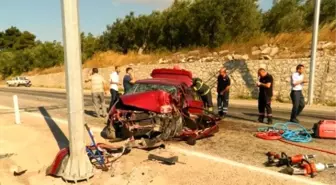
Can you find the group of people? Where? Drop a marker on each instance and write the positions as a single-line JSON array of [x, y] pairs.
[[99, 88], [265, 84], [204, 91]]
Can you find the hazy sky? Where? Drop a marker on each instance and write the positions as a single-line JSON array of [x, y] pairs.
[[43, 17]]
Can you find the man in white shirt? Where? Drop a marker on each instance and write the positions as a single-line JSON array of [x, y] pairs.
[[97, 89], [296, 95], [114, 86]]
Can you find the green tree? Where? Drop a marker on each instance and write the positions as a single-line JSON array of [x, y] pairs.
[[13, 39], [89, 45], [285, 16]]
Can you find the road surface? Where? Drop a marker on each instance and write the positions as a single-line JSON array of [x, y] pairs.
[[243, 112], [234, 142]]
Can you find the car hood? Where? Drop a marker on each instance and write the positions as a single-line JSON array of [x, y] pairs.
[[151, 100]]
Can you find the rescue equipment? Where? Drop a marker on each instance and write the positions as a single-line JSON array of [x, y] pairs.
[[283, 159], [325, 129]]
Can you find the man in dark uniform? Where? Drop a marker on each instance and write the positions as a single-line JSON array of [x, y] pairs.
[[204, 91], [265, 85], [223, 86]]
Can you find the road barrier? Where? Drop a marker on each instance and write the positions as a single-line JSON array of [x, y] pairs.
[[16, 109]]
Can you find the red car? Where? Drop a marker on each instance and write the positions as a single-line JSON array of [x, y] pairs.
[[164, 106]]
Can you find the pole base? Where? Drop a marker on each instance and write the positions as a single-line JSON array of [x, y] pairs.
[[76, 168]]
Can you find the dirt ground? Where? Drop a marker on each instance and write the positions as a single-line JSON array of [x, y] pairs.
[[36, 141]]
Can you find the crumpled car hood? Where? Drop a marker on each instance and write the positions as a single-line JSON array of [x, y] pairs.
[[151, 100]]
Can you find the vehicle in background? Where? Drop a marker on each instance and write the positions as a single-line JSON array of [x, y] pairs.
[[19, 81], [163, 107]]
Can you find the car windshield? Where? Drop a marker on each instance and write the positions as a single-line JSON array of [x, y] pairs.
[[143, 87], [22, 78]]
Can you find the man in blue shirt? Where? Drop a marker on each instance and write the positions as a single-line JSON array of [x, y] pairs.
[[128, 80]]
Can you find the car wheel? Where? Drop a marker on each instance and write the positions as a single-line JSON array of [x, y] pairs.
[[166, 129], [191, 141], [110, 132]]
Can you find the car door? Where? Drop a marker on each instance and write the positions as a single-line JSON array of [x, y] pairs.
[[195, 104]]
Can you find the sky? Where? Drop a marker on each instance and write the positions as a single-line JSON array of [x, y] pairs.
[[43, 17]]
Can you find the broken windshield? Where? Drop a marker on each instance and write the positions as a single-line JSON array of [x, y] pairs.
[[142, 87]]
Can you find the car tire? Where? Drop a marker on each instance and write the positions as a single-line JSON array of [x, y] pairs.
[[110, 132], [165, 128], [191, 141]]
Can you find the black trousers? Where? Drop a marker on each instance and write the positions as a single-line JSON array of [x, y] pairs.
[[264, 103], [207, 100], [223, 102], [298, 102], [114, 97]]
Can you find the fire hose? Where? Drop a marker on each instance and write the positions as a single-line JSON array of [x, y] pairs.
[[282, 132]]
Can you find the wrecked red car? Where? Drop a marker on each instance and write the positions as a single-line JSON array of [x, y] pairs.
[[162, 107]]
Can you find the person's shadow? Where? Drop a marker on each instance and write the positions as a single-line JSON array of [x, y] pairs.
[[61, 139]]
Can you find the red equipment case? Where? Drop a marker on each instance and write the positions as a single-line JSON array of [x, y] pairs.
[[325, 129]]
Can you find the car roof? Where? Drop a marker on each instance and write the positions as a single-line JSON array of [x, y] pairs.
[[163, 81]]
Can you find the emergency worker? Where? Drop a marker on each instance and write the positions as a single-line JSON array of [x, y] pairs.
[[204, 92], [223, 87], [265, 85]]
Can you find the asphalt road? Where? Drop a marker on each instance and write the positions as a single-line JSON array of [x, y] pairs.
[[243, 112], [235, 140]]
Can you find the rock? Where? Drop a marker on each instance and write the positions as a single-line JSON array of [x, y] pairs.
[[256, 52], [245, 57], [223, 52], [183, 60], [229, 57], [263, 46], [329, 45], [254, 48], [215, 54], [266, 50], [265, 57], [195, 52], [274, 51], [237, 57], [162, 61]]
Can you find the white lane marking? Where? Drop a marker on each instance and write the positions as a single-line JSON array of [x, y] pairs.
[[58, 120], [241, 165]]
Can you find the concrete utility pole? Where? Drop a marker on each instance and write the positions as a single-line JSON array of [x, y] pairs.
[[78, 167], [313, 52]]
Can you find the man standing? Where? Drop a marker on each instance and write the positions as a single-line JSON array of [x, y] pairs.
[[265, 85], [296, 95], [97, 88], [223, 86], [114, 86], [128, 80], [204, 91]]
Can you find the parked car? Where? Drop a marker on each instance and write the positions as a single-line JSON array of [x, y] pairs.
[[19, 81], [165, 107]]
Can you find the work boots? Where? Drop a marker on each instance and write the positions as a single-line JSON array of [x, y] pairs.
[[261, 118], [269, 121]]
